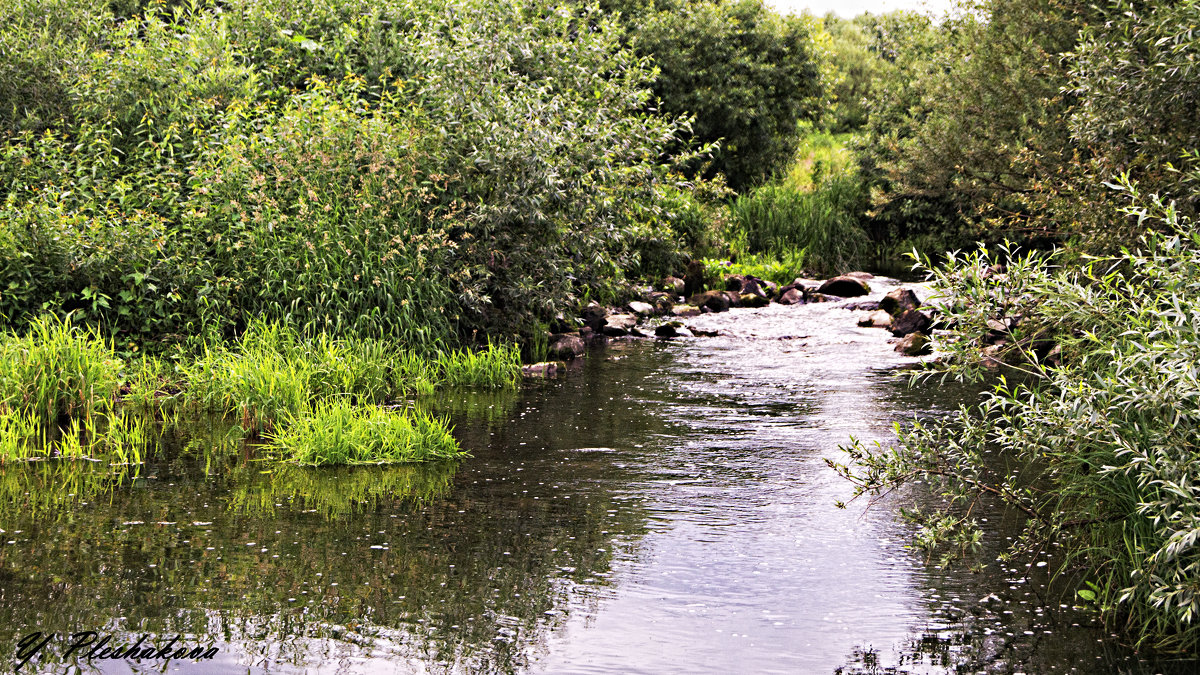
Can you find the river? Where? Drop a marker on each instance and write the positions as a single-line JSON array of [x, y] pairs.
[[664, 508]]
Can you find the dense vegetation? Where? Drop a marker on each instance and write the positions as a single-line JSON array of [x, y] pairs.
[[1067, 129], [295, 215]]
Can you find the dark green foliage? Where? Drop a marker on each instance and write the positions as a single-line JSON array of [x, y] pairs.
[[420, 173], [745, 73]]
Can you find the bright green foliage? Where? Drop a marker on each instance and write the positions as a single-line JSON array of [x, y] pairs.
[[339, 432], [273, 372], [813, 214], [747, 74], [56, 369], [1102, 447]]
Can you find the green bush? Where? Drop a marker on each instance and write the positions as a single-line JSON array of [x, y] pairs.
[[1104, 443]]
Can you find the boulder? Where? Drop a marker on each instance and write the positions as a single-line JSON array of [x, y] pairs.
[[910, 321], [593, 316], [876, 319], [685, 310], [914, 344], [663, 302], [751, 300], [640, 308], [715, 301], [734, 282], [769, 287], [899, 300], [734, 299], [864, 276], [693, 281], [619, 324], [792, 296], [566, 347], [673, 285], [844, 286], [672, 329]]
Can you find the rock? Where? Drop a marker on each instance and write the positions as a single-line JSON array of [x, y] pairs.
[[593, 316], [868, 306], [685, 310], [751, 300], [663, 302], [693, 281], [792, 296], [715, 301], [910, 321], [844, 286], [545, 369], [899, 300], [914, 344], [639, 332], [566, 347], [859, 275], [742, 285], [769, 287], [619, 324], [673, 285], [640, 308], [880, 319], [734, 282], [672, 329], [819, 297], [734, 299]]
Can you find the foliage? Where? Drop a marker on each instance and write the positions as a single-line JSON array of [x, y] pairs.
[[1098, 452], [422, 173], [338, 432], [747, 74], [56, 369], [820, 225], [781, 269]]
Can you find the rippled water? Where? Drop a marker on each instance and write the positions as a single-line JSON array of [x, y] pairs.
[[665, 508]]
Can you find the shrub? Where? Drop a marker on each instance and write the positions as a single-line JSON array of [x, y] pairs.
[[1104, 445]]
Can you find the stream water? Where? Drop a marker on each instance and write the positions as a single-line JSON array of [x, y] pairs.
[[665, 508]]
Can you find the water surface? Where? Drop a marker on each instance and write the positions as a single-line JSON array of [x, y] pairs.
[[664, 508]]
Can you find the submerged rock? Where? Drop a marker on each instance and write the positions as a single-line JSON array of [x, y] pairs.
[[844, 286], [673, 329], [545, 369], [619, 324]]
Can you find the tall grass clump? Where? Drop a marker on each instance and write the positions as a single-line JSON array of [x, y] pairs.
[[336, 431], [497, 367], [57, 369], [778, 219], [1103, 429]]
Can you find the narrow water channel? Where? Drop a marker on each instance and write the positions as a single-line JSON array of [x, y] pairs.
[[665, 508]]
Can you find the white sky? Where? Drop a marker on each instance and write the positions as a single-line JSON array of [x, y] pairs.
[[851, 8]]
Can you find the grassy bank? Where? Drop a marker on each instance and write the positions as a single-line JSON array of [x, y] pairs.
[[66, 393]]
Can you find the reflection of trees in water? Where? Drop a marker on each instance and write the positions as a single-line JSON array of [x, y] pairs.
[[297, 564]]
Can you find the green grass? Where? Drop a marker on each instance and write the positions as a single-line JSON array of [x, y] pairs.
[[273, 372], [781, 268], [336, 431], [814, 212], [56, 369]]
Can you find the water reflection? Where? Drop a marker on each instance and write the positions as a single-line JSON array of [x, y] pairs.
[[666, 508]]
